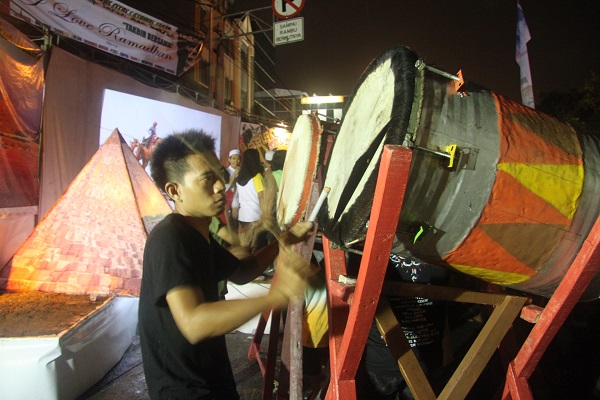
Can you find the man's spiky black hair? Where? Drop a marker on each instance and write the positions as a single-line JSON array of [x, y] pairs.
[[168, 162]]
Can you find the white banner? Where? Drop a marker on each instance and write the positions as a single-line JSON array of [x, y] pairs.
[[115, 28], [523, 58]]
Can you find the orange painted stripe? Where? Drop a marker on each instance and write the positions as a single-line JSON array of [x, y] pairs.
[[313, 155], [530, 137]]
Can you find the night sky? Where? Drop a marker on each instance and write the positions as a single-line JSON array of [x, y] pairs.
[[341, 37]]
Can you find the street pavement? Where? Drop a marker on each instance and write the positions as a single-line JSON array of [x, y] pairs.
[[126, 380]]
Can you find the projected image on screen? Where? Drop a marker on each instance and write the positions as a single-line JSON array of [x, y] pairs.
[[135, 117]]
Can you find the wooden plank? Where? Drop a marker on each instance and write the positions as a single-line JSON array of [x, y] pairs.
[[387, 202], [500, 322], [255, 346], [342, 291], [531, 313], [516, 388], [441, 293], [346, 348], [269, 374], [482, 348], [335, 265]]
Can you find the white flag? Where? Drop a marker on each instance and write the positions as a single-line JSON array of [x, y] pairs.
[[523, 58]]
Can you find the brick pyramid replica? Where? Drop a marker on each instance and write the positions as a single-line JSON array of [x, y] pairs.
[[92, 240]]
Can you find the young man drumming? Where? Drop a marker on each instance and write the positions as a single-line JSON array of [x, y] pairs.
[[182, 321]]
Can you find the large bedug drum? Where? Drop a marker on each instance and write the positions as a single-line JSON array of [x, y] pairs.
[[514, 207]]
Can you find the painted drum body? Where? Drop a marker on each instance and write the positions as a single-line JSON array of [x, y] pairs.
[[520, 198]]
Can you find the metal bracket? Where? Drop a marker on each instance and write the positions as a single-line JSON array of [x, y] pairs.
[[449, 152]]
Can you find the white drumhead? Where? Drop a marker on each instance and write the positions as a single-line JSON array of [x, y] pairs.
[[377, 114], [298, 170], [369, 112]]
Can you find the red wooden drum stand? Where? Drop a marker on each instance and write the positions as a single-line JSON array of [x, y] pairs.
[[574, 283], [353, 307]]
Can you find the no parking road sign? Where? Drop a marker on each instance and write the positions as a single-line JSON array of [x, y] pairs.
[[287, 8]]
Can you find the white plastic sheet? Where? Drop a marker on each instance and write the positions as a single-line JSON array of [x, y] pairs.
[[249, 290], [64, 366]]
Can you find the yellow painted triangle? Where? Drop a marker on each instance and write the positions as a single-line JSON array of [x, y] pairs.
[[558, 184]]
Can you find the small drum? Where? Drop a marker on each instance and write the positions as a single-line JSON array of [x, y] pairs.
[[299, 170], [511, 203]]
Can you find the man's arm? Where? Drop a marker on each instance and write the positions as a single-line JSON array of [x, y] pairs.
[[198, 319]]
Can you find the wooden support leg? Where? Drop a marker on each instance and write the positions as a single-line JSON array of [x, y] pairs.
[[576, 280], [255, 345], [290, 376], [517, 388], [269, 374], [483, 348], [335, 261], [290, 367], [387, 202], [267, 368]]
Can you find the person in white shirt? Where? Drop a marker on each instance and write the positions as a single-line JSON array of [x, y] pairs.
[[248, 198]]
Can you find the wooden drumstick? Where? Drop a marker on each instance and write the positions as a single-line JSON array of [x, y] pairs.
[[320, 201]]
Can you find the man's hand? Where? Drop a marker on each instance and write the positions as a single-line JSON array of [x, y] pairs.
[[298, 233], [291, 272], [288, 258], [240, 252]]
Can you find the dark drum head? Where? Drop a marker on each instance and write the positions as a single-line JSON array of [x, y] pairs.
[[377, 114]]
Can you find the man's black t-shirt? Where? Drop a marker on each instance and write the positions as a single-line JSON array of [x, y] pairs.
[[175, 255]]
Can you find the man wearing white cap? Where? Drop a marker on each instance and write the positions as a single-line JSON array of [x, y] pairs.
[[235, 158]]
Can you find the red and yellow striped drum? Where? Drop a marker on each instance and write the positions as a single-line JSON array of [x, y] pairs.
[[496, 190]]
